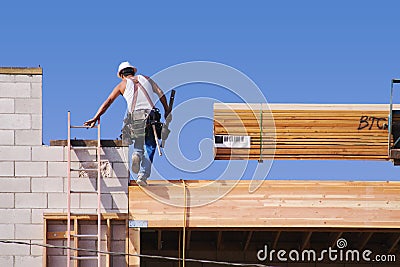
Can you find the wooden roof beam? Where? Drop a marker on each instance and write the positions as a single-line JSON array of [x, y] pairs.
[[219, 240], [248, 239], [335, 238], [159, 240], [188, 237], [366, 237], [392, 242], [276, 239], [306, 240]]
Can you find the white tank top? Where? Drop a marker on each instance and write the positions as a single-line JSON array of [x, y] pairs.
[[141, 102]]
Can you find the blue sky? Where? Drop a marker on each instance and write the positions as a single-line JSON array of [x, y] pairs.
[[295, 51]]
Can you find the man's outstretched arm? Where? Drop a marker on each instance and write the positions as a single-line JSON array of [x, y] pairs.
[[118, 90]]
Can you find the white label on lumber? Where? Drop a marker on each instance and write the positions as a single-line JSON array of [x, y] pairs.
[[232, 141]]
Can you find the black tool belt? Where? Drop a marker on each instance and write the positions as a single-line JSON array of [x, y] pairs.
[[139, 124]]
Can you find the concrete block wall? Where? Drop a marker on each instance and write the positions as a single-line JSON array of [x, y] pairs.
[[33, 176]]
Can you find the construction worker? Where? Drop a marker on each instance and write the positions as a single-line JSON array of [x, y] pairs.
[[138, 91]]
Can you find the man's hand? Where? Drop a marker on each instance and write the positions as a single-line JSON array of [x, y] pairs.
[[90, 123]]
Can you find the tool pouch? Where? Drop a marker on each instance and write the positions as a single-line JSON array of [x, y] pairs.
[[134, 126], [140, 123], [154, 118]]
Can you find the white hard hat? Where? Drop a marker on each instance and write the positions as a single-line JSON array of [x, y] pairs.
[[124, 65]]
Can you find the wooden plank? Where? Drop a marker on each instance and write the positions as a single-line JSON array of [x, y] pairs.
[[88, 217], [21, 71], [108, 242], [44, 259], [298, 106], [289, 203], [134, 247], [76, 241], [89, 143], [57, 235]]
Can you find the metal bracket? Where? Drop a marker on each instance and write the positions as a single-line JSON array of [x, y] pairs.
[[138, 224]]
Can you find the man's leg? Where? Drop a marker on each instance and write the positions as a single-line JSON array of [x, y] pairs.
[[148, 156], [137, 154], [138, 144]]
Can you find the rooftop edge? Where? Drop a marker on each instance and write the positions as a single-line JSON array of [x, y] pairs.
[[21, 70]]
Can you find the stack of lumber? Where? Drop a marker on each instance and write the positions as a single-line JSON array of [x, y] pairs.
[[304, 131]]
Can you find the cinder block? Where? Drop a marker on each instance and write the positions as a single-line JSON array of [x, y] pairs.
[[37, 250], [6, 232], [7, 78], [7, 105], [47, 153], [81, 155], [82, 184], [84, 211], [36, 122], [10, 153], [36, 90], [11, 216], [28, 137], [15, 90], [6, 137], [6, 200], [6, 261], [114, 185], [90, 201], [59, 200], [37, 214], [13, 249], [28, 78], [15, 121], [48, 184], [120, 170], [120, 202], [30, 200], [13, 184], [31, 169], [114, 154], [6, 168], [28, 261], [58, 169], [29, 231], [30, 106]]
